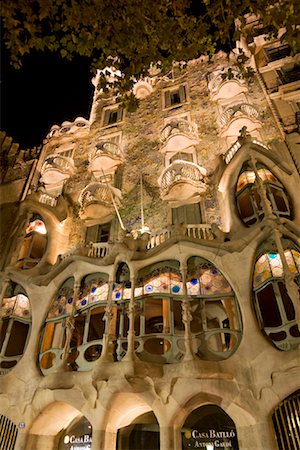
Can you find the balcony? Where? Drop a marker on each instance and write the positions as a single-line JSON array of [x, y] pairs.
[[105, 157], [182, 180], [243, 109], [56, 169], [96, 202], [178, 135]]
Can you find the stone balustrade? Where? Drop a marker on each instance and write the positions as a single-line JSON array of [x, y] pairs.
[[107, 148], [181, 171], [242, 108], [98, 249], [47, 199], [58, 163], [179, 126]]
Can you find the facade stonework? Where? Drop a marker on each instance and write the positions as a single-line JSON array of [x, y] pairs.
[[150, 266]]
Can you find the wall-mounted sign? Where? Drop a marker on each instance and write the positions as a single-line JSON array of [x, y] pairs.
[[78, 436], [210, 439]]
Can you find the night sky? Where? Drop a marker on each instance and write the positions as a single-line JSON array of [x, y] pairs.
[[47, 90]]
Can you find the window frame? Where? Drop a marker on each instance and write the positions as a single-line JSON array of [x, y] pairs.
[[179, 90]]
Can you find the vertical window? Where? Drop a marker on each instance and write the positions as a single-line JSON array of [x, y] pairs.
[[174, 97], [248, 199], [216, 321], [34, 244], [187, 214], [15, 324], [274, 306], [97, 233], [87, 324], [112, 116]]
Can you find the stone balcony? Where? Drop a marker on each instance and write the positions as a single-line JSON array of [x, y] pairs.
[[177, 135], [96, 202], [181, 182], [105, 158], [242, 109], [56, 169]]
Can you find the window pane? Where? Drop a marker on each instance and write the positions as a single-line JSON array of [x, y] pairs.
[[268, 307], [3, 329], [17, 339], [245, 205], [280, 199], [287, 302], [97, 325]]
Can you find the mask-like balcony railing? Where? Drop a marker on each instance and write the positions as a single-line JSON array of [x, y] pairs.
[[96, 201], [182, 180], [179, 134], [105, 157], [237, 110], [231, 152], [57, 169], [218, 77]]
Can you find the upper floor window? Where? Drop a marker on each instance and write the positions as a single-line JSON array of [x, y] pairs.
[[274, 306], [175, 96], [97, 233], [248, 198], [15, 324], [112, 115], [34, 244], [183, 156], [187, 214]]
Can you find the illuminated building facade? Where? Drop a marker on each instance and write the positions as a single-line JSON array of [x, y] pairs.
[[150, 266]]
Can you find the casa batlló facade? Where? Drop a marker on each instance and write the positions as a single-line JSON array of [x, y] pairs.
[[150, 266]]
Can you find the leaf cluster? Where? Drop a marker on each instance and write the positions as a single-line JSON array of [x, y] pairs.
[[133, 34]]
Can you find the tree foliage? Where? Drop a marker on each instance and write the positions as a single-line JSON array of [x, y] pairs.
[[133, 34]]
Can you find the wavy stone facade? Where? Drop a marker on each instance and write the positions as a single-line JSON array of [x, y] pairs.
[[150, 269]]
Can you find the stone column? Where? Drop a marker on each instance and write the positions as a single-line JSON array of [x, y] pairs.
[[107, 349], [130, 355], [98, 440], [167, 439], [186, 318]]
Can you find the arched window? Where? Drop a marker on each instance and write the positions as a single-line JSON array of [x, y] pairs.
[[15, 324], [84, 319], [249, 201], [78, 435], [216, 321], [34, 244], [209, 427], [141, 434], [274, 307], [286, 422]]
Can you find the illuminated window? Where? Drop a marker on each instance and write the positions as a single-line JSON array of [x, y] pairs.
[[15, 325], [34, 244], [274, 306], [216, 322], [248, 199], [87, 328]]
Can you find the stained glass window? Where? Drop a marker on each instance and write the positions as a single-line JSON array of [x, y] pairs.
[[15, 320], [207, 281], [63, 302], [164, 282], [274, 305], [269, 265], [249, 199]]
